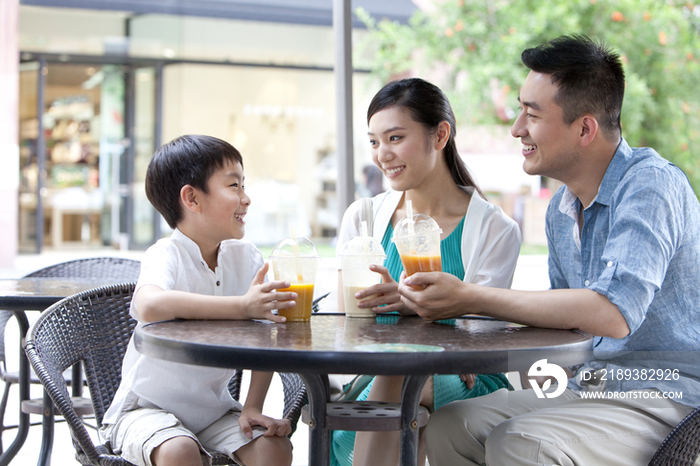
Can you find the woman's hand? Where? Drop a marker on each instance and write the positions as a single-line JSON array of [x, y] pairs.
[[468, 379], [433, 295], [387, 294]]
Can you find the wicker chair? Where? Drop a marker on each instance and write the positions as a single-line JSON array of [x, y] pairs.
[[295, 397], [94, 327], [108, 268], [682, 446], [112, 268]]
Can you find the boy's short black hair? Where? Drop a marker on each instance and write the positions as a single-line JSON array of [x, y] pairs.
[[187, 160], [589, 75]]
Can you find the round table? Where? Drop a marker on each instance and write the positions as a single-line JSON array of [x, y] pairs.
[[386, 345]]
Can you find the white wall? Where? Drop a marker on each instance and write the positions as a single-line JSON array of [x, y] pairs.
[[281, 120], [9, 129]]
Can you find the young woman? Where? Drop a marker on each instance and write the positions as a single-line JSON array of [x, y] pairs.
[[412, 136]]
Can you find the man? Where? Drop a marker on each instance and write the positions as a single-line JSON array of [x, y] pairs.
[[624, 248]]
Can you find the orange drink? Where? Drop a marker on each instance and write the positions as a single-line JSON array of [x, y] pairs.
[[301, 312], [413, 264], [417, 239]]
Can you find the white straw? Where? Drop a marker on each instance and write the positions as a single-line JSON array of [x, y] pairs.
[[409, 214], [297, 265], [365, 235]]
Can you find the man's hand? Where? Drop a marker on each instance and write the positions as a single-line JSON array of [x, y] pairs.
[[251, 417], [432, 295], [262, 297]]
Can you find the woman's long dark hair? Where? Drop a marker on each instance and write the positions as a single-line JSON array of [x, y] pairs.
[[429, 106]]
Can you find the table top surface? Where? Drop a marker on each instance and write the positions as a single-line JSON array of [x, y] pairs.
[[332, 343], [40, 293]]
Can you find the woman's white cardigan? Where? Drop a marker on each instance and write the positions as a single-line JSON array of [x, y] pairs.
[[490, 239]]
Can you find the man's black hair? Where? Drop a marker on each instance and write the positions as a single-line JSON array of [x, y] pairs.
[[589, 76]]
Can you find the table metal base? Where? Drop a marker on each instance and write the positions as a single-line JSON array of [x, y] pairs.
[[323, 417]]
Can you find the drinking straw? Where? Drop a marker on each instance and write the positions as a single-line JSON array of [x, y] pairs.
[[365, 234], [295, 245], [409, 214]]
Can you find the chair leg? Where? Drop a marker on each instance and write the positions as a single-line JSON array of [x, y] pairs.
[[47, 423], [3, 407]]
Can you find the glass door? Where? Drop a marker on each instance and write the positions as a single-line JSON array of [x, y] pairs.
[[62, 200], [28, 158], [83, 162], [145, 220]]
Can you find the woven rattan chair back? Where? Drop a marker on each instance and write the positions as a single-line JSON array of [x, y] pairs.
[[682, 446], [93, 327], [295, 397], [107, 268]]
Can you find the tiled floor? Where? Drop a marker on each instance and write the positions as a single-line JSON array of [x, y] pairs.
[[530, 274]]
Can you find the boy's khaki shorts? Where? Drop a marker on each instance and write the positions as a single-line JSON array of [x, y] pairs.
[[137, 433]]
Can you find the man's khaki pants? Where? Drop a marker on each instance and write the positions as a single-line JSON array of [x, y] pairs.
[[517, 428]]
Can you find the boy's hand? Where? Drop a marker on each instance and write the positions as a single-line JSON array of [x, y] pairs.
[[262, 297], [251, 417]]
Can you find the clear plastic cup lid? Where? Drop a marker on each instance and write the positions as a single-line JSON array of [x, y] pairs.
[[362, 246], [291, 247], [421, 225]]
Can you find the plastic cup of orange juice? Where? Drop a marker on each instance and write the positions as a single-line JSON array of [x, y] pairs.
[[418, 241], [295, 260]]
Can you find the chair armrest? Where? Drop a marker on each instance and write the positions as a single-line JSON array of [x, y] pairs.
[[682, 446]]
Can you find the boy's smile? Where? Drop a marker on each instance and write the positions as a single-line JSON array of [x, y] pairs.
[[225, 205]]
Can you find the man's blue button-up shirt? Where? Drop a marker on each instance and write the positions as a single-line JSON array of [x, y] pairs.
[[640, 247]]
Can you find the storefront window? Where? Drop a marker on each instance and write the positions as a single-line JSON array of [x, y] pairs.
[[222, 40], [268, 88], [71, 31], [283, 122], [112, 152], [145, 124]]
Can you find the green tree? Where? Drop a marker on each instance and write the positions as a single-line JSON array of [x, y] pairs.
[[471, 48]]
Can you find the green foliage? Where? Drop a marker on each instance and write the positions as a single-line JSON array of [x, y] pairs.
[[471, 49]]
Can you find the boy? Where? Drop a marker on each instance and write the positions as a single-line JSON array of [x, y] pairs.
[[168, 413]]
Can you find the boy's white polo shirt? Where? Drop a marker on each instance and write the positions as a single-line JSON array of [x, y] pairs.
[[196, 395]]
